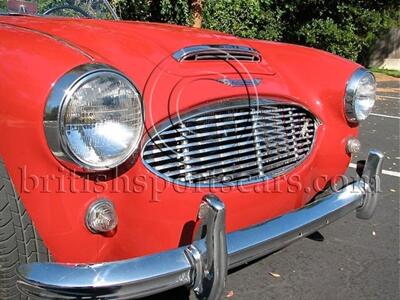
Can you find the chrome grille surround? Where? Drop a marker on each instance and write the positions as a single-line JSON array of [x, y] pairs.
[[230, 142]]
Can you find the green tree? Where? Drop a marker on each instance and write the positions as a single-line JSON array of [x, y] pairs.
[[246, 18], [168, 11]]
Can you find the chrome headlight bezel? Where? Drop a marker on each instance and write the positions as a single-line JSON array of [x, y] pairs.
[[350, 93], [54, 112]]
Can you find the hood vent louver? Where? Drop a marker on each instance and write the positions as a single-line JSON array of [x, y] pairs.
[[217, 52]]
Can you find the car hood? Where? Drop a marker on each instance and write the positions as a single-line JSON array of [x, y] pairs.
[[122, 40], [142, 51], [135, 48]]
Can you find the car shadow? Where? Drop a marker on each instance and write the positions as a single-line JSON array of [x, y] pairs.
[[181, 293]]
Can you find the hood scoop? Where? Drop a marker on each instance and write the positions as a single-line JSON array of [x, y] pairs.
[[217, 52]]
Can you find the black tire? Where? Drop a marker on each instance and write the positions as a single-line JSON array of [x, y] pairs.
[[19, 240]]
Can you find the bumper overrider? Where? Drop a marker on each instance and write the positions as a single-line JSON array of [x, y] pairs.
[[203, 265]]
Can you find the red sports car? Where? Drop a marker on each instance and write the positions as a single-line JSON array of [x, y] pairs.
[[140, 157]]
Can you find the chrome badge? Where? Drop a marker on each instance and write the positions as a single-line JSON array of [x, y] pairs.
[[240, 82]]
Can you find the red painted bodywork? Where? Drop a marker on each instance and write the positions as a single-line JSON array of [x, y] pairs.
[[36, 51]]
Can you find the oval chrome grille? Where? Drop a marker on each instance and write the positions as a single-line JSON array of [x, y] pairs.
[[234, 141]]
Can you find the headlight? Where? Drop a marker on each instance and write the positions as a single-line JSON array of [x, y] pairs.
[[360, 95], [94, 118]]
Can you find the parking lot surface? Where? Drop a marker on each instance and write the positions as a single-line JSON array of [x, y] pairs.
[[358, 259]]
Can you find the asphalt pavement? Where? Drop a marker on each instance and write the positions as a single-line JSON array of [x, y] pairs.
[[358, 259]]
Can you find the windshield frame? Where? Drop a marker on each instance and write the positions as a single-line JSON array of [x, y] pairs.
[[105, 2]]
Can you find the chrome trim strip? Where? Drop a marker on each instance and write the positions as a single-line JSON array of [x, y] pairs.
[[208, 255], [216, 107], [184, 53], [240, 82]]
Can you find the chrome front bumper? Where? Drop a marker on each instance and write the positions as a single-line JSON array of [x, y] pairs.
[[202, 265]]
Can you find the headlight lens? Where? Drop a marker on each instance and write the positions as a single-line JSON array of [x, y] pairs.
[[100, 120], [360, 95]]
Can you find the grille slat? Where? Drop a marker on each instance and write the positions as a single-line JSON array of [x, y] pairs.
[[219, 163], [162, 147], [178, 138], [221, 155], [220, 115], [218, 172], [217, 56], [228, 123], [234, 141], [217, 52]]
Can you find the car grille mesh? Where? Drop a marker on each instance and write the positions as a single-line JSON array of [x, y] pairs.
[[231, 142]]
